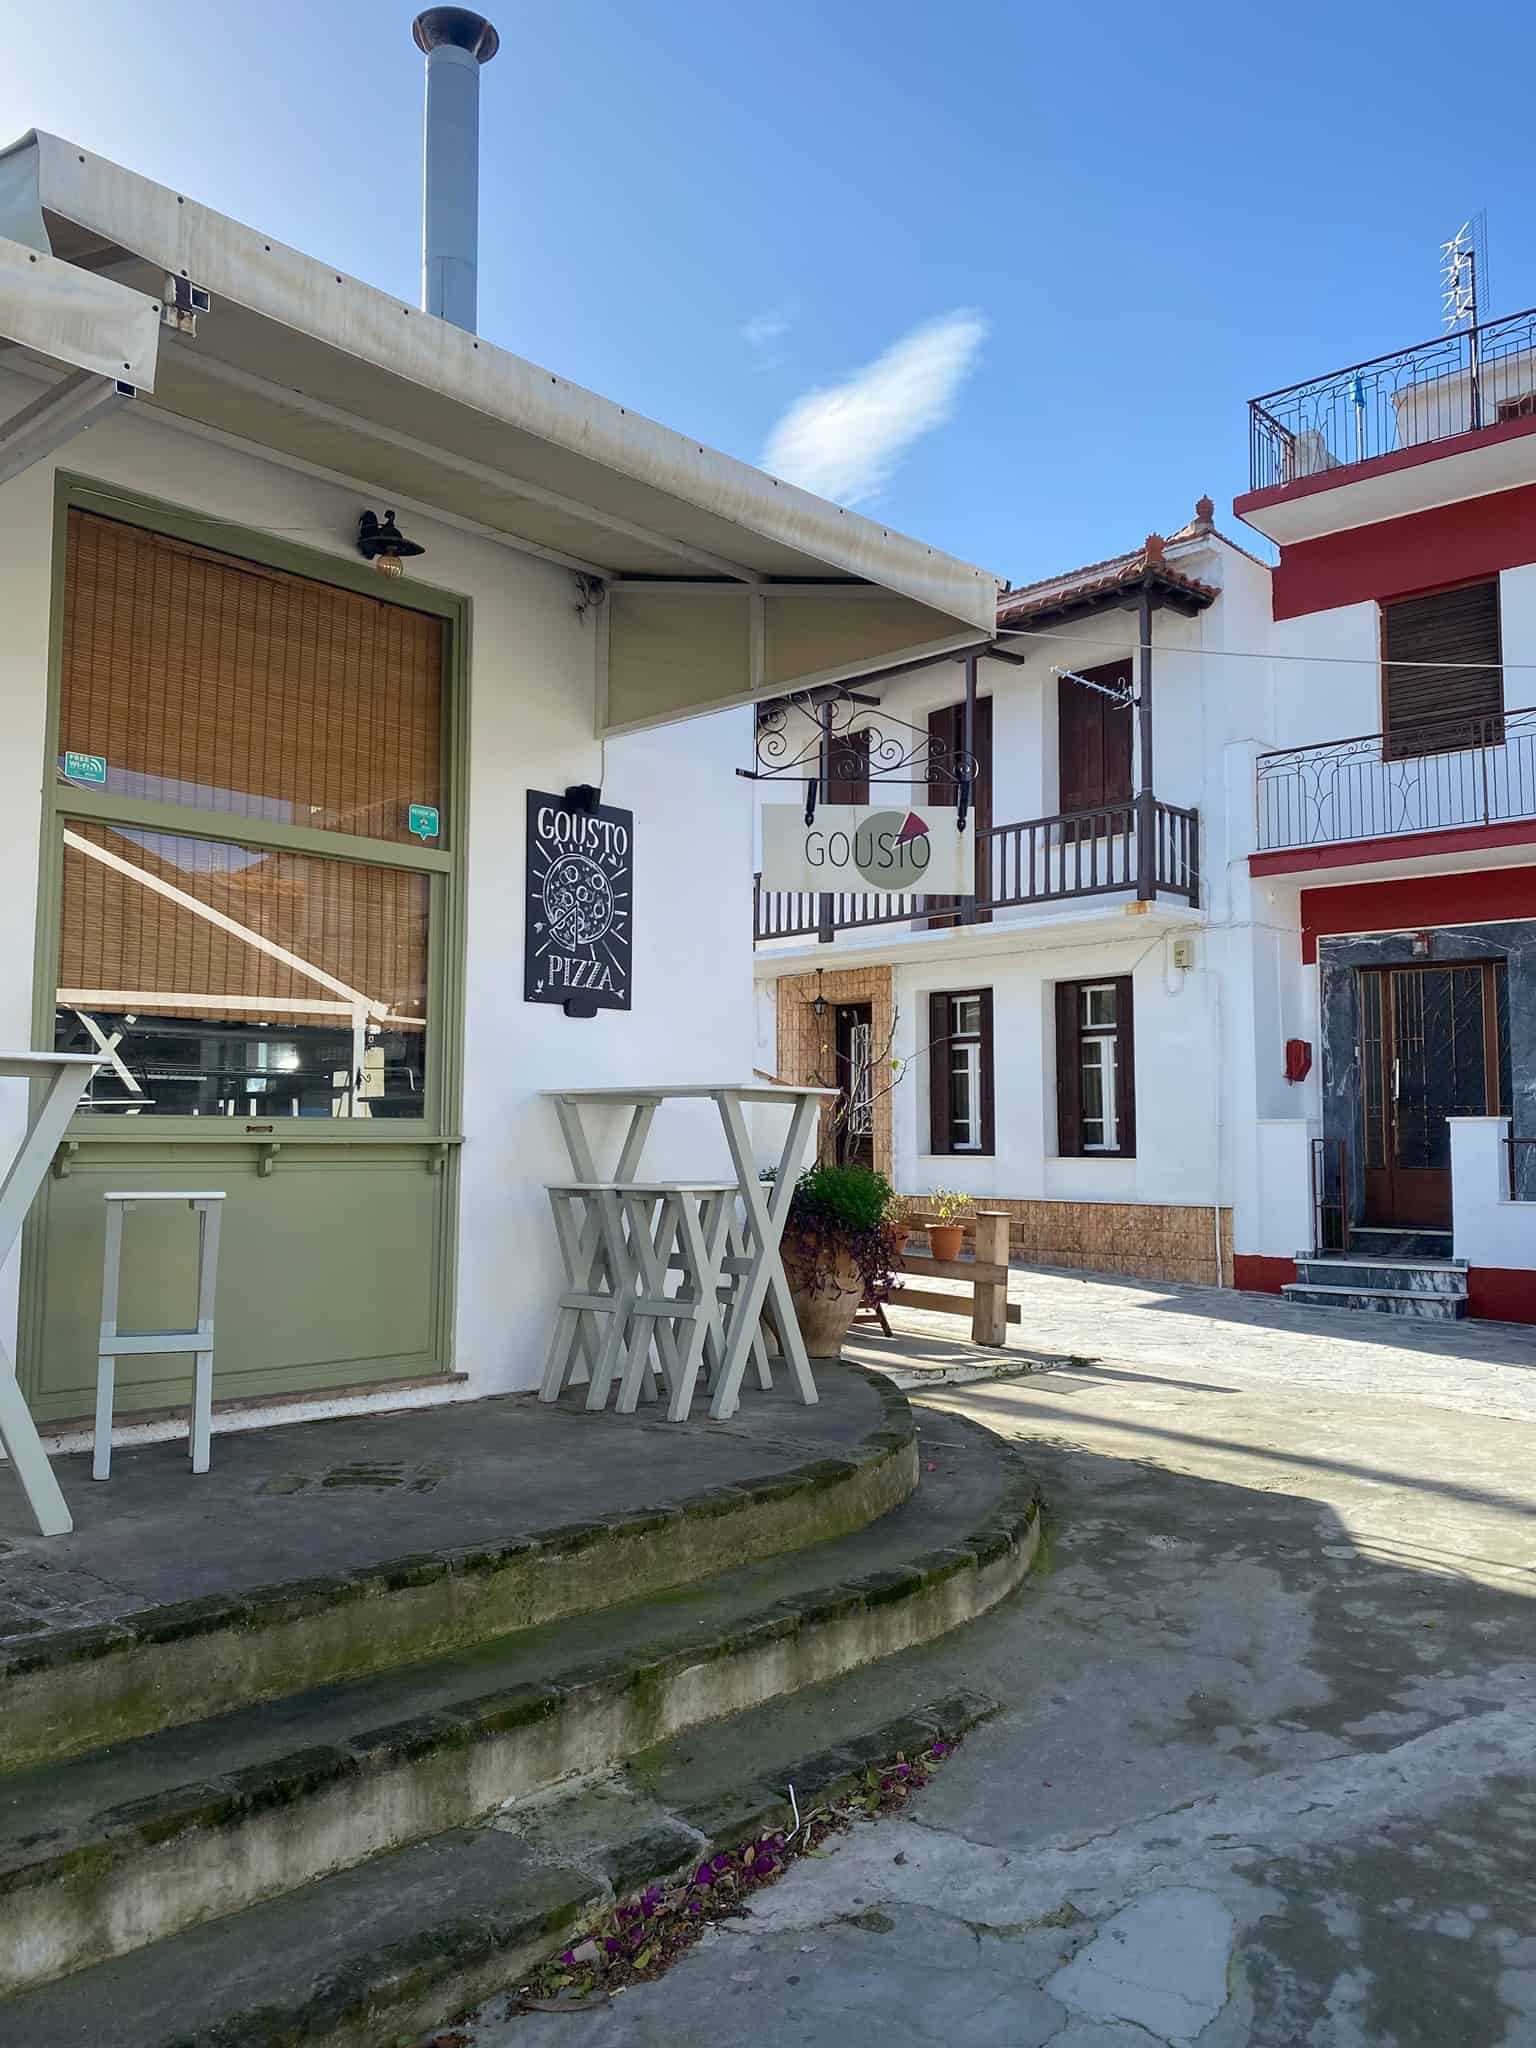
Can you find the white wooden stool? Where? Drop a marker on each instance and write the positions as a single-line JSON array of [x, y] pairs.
[[591, 1320], [672, 1226], [117, 1344], [620, 1241]]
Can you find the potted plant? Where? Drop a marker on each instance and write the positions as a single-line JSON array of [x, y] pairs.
[[840, 1249], [946, 1231]]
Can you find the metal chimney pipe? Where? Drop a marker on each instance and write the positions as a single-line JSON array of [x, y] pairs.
[[456, 43]]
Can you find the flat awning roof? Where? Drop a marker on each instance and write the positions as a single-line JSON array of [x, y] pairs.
[[296, 358]]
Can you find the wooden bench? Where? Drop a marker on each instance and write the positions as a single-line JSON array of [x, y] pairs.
[[986, 1272]]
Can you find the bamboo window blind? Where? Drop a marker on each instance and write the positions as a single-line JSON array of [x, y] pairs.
[[154, 921], [227, 686]]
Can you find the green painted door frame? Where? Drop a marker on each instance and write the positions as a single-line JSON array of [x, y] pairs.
[[339, 1254]]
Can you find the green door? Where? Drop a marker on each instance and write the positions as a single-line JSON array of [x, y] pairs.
[[250, 909]]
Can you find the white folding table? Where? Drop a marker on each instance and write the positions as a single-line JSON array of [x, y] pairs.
[[66, 1074], [764, 1208]]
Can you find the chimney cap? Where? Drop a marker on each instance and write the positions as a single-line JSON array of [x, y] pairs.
[[458, 27]]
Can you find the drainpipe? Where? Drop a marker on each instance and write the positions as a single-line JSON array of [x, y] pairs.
[[455, 42], [1146, 805]]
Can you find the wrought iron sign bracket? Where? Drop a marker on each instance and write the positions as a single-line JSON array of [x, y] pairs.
[[893, 750]]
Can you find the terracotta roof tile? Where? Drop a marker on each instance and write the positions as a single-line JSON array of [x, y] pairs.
[[1094, 578], [1093, 581]]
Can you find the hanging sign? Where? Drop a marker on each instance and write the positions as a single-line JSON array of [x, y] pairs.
[[858, 847], [578, 930]]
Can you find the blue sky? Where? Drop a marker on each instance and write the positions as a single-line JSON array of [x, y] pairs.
[[1040, 259]]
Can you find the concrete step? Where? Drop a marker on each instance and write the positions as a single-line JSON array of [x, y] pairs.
[[130, 1844], [630, 1527], [383, 1952], [1412, 1276], [1393, 1301]]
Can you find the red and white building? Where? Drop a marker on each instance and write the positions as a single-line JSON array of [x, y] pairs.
[[1248, 991], [1396, 817]]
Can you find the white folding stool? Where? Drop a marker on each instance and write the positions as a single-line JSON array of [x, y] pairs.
[[117, 1344], [681, 1227]]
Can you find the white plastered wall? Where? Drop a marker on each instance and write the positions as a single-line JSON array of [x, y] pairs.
[[532, 685]]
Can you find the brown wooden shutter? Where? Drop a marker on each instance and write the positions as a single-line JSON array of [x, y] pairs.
[[946, 735], [1069, 1080], [1126, 1078], [981, 802], [988, 1124], [848, 782], [943, 731], [1438, 709], [940, 1133], [1093, 740]]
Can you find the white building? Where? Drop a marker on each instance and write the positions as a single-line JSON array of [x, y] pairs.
[[1213, 927], [263, 814]]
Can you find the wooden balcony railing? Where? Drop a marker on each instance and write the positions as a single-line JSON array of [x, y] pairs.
[[1043, 860]]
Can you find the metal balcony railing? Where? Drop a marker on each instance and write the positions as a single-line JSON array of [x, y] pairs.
[[1473, 377], [1440, 774], [1042, 860]]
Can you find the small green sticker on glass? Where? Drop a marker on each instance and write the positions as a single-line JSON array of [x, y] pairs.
[[422, 820], [85, 768]]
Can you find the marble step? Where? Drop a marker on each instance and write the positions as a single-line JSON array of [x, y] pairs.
[[1409, 1276], [1378, 1242], [1423, 1306]]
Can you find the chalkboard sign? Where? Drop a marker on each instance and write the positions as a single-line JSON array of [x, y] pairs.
[[579, 923]]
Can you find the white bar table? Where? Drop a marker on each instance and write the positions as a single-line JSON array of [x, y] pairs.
[[66, 1074], [764, 1280]]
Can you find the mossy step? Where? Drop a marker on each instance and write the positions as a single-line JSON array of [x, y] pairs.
[[72, 1689], [125, 1846], [383, 1952]]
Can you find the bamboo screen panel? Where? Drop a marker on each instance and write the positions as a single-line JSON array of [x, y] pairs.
[[153, 920], [228, 980], [208, 681]]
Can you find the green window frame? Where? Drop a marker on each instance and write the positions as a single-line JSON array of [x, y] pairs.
[[440, 863]]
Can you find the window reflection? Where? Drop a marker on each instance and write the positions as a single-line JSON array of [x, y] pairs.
[[225, 980]]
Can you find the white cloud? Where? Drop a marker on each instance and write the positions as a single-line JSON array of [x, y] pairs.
[[844, 440], [763, 328]]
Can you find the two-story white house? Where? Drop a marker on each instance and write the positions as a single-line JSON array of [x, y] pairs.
[[1065, 1044]]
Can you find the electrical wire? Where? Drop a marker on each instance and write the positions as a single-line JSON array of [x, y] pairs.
[[1168, 653]]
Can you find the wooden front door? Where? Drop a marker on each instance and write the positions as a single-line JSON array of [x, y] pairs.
[[1432, 1046], [1093, 738], [855, 1085], [946, 735]]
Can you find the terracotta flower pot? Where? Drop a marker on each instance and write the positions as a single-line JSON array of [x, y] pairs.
[[824, 1311], [945, 1239]]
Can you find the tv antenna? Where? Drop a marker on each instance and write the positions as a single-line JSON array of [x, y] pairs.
[[1464, 299], [1464, 292]]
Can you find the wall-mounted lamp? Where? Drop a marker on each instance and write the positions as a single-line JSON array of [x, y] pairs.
[[819, 1005], [381, 542], [1421, 945]]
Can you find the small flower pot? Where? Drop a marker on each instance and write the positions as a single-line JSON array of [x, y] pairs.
[[945, 1239]]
